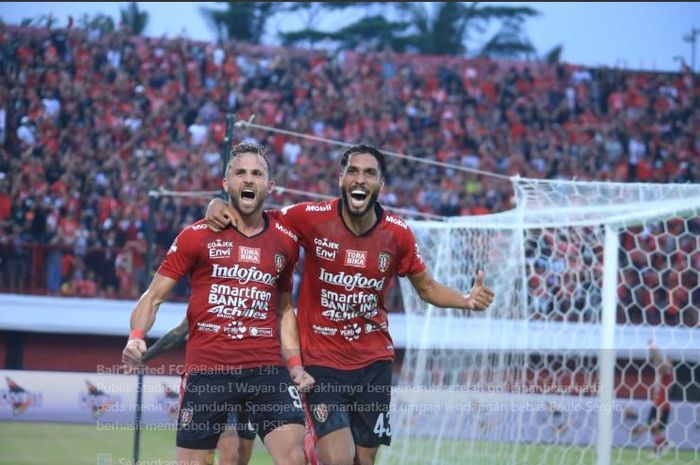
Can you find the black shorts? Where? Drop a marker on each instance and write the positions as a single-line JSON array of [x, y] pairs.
[[265, 394], [662, 417], [241, 424], [358, 399]]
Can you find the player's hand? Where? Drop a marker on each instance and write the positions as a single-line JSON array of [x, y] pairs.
[[301, 379], [219, 215], [480, 296], [132, 355]]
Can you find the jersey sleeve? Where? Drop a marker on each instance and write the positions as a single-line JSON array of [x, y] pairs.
[[181, 256], [286, 280], [411, 261], [292, 217]]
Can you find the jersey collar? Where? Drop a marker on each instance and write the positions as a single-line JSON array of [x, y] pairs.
[[377, 209]]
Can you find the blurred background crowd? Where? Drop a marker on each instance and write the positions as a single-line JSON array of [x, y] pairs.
[[90, 121]]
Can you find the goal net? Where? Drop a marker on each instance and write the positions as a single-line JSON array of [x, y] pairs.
[[560, 369]]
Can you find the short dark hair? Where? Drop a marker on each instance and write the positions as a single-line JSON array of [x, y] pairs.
[[365, 148], [249, 148]]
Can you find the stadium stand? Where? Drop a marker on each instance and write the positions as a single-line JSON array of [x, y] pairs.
[[91, 121]]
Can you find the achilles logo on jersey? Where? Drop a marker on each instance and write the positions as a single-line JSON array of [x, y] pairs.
[[219, 249], [208, 327], [235, 329], [356, 258], [324, 330], [396, 221], [244, 275], [230, 312], [326, 249], [248, 254], [351, 332], [351, 281], [260, 332], [318, 208], [383, 261], [286, 231]]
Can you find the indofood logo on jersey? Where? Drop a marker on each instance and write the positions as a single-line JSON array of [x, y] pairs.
[[96, 400], [18, 398], [351, 281], [219, 249], [243, 275]]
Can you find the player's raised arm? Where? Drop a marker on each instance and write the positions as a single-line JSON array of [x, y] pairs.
[[174, 337], [439, 295], [143, 317], [289, 340]]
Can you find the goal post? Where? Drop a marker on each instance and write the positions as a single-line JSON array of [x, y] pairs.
[[558, 370]]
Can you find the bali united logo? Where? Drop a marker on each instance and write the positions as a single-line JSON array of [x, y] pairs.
[[280, 260], [170, 401], [96, 400], [383, 261], [18, 398], [320, 412], [186, 417]]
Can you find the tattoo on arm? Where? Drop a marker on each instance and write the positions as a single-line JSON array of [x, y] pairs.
[[172, 338]]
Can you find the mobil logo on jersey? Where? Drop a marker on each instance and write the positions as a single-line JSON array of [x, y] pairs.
[[220, 249], [326, 249], [356, 258]]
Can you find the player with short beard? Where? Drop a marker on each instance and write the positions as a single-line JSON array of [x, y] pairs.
[[352, 249], [241, 284]]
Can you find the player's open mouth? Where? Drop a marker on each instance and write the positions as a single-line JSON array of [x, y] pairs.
[[248, 194], [358, 197]]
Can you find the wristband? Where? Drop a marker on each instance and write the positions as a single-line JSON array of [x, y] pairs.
[[293, 362], [137, 334]]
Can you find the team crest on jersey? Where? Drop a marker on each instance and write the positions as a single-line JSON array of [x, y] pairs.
[[280, 260], [186, 416], [320, 412], [383, 261]]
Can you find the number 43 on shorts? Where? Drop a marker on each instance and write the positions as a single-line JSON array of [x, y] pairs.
[[381, 428]]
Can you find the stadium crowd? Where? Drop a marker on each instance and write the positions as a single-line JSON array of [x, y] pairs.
[[90, 121]]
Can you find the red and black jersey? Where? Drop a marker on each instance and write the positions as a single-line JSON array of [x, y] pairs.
[[236, 281], [342, 319]]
